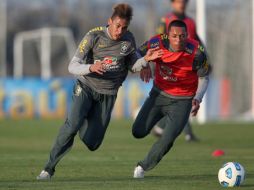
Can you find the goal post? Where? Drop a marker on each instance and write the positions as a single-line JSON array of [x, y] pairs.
[[3, 38], [252, 99], [201, 30], [44, 36]]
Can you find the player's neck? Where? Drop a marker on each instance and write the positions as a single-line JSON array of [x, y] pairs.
[[109, 35], [173, 50]]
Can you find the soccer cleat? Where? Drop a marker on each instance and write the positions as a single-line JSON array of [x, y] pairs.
[[44, 175], [191, 138], [139, 172]]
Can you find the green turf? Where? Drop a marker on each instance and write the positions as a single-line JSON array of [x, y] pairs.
[[24, 148]]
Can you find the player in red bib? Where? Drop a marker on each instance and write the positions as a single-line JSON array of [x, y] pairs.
[[178, 13], [180, 80]]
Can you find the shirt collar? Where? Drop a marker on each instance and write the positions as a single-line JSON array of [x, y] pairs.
[[108, 33]]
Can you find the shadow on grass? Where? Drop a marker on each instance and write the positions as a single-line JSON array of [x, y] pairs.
[[247, 185], [129, 178], [183, 177], [110, 179], [248, 176]]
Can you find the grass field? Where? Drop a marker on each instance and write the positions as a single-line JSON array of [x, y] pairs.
[[24, 148]]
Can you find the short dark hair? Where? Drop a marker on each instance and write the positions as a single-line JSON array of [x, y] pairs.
[[177, 23], [123, 11], [185, 1]]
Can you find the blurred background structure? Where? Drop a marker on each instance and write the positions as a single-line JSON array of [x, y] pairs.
[[228, 39]]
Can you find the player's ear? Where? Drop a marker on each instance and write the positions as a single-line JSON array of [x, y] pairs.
[[110, 21]]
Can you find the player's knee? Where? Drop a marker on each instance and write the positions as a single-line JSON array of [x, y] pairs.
[[92, 146], [137, 133]]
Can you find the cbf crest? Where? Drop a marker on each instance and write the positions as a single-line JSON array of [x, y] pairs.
[[124, 48], [78, 90]]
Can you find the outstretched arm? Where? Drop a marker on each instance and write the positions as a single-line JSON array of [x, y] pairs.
[[151, 55]]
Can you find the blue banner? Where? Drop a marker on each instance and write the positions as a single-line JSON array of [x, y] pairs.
[[37, 98], [32, 97]]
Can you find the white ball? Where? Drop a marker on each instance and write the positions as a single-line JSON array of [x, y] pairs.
[[231, 174]]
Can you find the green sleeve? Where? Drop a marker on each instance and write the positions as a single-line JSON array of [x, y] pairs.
[[201, 64]]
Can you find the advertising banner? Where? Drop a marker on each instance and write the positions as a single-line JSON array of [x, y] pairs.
[[48, 99]]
